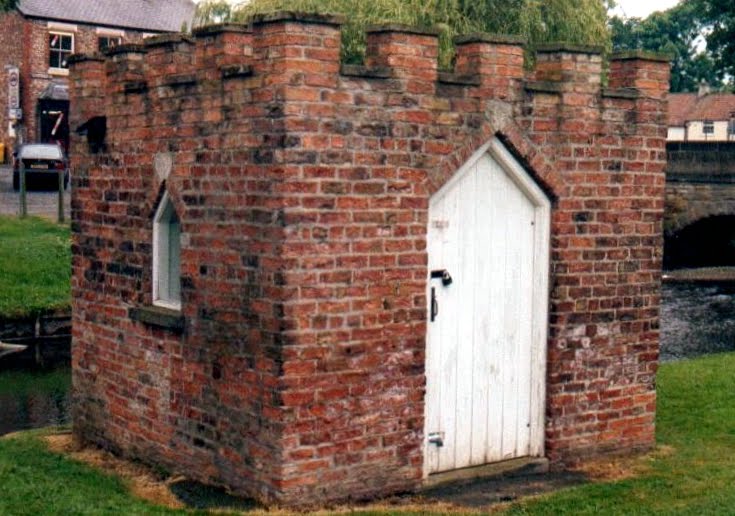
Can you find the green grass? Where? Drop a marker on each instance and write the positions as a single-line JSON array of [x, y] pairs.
[[35, 266], [692, 473], [696, 421], [34, 481]]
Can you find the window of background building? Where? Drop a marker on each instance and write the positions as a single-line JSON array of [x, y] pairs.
[[61, 46], [708, 127], [105, 42]]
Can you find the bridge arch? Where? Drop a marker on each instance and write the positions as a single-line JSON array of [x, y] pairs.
[[699, 214], [688, 202], [707, 242]]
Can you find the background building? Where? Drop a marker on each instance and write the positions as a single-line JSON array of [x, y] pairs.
[[701, 116], [38, 36]]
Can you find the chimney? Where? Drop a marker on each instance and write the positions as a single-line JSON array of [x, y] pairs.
[[704, 89]]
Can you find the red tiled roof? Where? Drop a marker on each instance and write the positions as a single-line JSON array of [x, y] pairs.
[[685, 107], [680, 104], [717, 106]]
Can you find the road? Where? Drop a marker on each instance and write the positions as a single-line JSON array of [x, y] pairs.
[[40, 202]]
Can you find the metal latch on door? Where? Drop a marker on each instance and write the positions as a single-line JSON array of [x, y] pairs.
[[446, 278], [436, 438], [443, 274]]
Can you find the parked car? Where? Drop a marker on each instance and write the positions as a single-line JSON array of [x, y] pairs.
[[42, 162]]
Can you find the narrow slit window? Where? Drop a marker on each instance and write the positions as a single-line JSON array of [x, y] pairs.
[[167, 256]]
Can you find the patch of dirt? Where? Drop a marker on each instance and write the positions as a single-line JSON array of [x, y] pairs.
[[611, 470], [622, 468]]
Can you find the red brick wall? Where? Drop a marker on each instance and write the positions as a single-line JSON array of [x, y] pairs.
[[10, 53], [303, 196], [24, 43]]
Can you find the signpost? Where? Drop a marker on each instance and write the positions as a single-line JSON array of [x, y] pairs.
[[14, 111]]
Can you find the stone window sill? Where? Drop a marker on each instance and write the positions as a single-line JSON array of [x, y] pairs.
[[61, 72], [159, 317]]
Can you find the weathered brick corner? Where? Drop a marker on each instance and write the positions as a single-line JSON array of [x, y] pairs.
[[296, 371]]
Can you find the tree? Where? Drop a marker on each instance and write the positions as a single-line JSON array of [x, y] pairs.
[[677, 32], [719, 15], [7, 5], [212, 11], [572, 21]]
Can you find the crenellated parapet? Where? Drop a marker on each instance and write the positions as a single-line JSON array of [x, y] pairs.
[[294, 52], [295, 370]]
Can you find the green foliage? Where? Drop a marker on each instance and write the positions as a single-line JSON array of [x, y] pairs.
[[539, 21], [360, 13], [677, 32], [210, 12], [8, 5], [35, 266], [582, 22], [719, 16]]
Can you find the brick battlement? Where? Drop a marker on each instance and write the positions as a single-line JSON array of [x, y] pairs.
[[296, 373]]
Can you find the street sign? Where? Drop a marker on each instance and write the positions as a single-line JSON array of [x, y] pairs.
[[13, 89]]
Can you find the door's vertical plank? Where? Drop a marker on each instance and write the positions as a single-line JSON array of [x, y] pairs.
[[505, 298], [463, 287], [540, 314], [496, 269], [432, 416], [447, 325], [525, 327], [482, 291]]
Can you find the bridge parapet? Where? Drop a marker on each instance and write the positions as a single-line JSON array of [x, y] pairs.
[[700, 183], [700, 162]]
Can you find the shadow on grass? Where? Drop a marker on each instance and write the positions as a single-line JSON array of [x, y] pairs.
[[200, 496], [483, 492]]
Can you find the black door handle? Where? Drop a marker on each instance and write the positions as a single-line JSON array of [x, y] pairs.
[[443, 274], [434, 305]]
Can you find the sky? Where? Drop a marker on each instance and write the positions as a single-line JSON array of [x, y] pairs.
[[642, 8]]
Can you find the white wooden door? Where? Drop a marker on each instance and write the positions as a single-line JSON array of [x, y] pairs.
[[486, 346]]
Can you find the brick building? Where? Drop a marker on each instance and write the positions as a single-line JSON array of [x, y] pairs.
[[38, 36], [314, 282]]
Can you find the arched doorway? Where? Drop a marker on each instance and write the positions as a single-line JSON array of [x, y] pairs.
[[488, 247]]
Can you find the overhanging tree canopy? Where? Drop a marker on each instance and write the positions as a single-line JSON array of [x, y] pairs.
[[719, 15], [676, 32], [581, 22]]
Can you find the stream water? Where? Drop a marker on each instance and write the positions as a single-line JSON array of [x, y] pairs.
[[696, 319], [34, 399]]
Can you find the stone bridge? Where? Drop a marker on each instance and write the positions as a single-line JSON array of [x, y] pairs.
[[699, 224]]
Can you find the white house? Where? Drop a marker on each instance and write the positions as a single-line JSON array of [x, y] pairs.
[[701, 116]]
